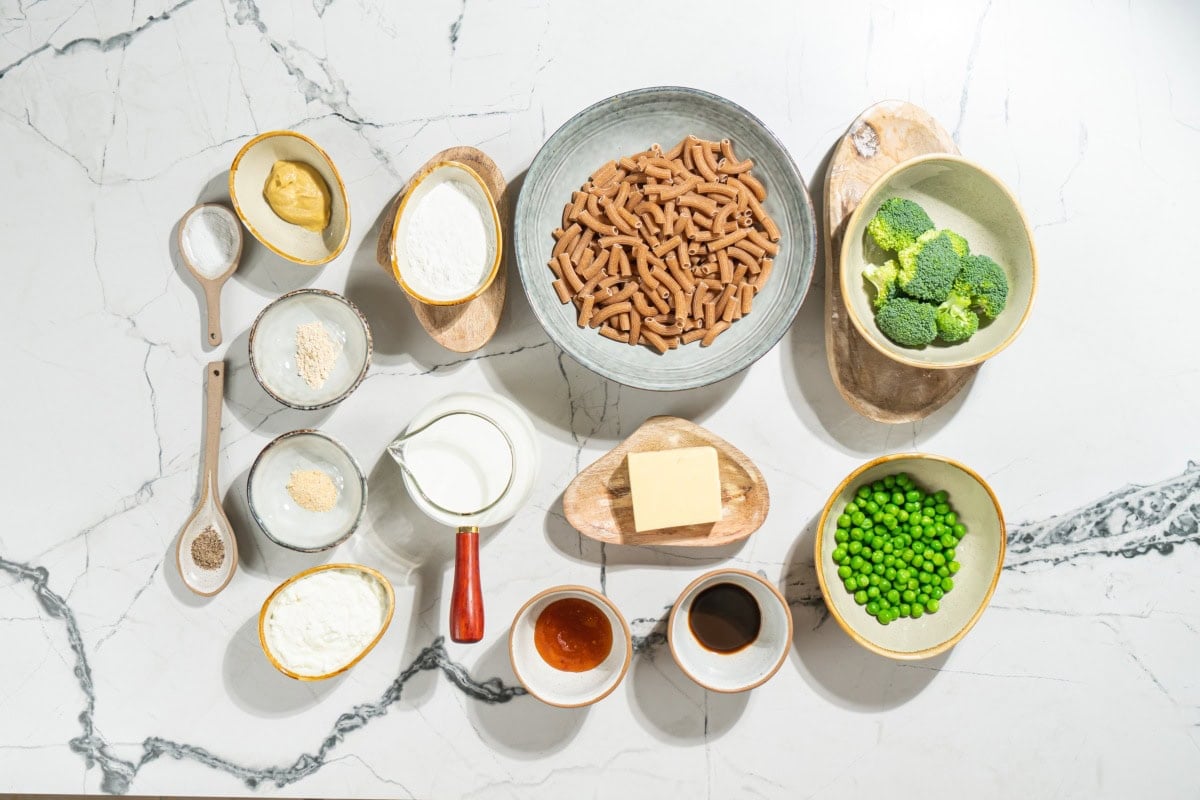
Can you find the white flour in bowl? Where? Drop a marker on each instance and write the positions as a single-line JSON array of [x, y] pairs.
[[449, 241]]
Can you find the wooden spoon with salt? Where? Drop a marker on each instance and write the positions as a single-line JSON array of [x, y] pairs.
[[208, 515], [210, 244]]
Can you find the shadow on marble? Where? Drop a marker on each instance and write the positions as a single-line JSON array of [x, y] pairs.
[[581, 549], [830, 661], [673, 707], [250, 403], [807, 380], [256, 553], [266, 273], [259, 688], [524, 727]]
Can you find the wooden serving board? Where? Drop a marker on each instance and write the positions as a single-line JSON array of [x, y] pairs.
[[469, 326], [874, 385], [598, 503]]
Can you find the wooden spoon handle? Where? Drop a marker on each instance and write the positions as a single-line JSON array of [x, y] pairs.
[[214, 399], [466, 603], [212, 303]]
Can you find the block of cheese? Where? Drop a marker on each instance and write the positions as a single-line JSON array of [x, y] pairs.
[[674, 487]]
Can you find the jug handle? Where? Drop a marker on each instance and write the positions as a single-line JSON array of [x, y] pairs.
[[466, 602]]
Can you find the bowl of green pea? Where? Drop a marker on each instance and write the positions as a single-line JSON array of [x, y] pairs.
[[908, 552]]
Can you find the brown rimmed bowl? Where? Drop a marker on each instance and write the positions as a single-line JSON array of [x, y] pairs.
[[557, 687], [752, 665], [980, 555]]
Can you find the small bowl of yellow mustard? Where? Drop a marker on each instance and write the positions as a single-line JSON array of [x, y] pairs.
[[288, 193]]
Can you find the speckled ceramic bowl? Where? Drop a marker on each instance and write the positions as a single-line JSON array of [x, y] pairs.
[[969, 200], [980, 554], [273, 347], [390, 599], [248, 176], [557, 687], [628, 123], [281, 518], [747, 668]]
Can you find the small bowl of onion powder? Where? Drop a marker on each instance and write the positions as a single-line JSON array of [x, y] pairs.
[[306, 491], [310, 348]]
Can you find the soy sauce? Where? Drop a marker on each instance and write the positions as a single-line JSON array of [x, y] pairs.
[[725, 618]]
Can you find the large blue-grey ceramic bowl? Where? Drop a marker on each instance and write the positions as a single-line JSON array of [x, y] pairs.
[[628, 123]]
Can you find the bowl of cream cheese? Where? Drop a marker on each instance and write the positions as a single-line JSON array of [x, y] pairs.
[[322, 621]]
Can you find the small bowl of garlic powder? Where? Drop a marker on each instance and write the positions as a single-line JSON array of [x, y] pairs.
[[306, 491], [446, 238], [310, 348], [322, 621]]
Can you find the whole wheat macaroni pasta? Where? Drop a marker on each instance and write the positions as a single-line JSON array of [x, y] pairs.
[[664, 249]]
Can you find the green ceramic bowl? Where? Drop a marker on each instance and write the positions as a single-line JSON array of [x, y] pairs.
[[980, 554], [969, 200]]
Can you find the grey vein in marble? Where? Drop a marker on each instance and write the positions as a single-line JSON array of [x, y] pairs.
[[1129, 522]]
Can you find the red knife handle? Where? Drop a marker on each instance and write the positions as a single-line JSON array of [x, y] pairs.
[[466, 603]]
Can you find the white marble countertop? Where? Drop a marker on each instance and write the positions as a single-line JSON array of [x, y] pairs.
[[1079, 681]]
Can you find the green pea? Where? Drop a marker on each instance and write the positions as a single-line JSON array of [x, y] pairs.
[[856, 562], [953, 567], [932, 606], [851, 507], [938, 559], [908, 595], [893, 596], [864, 491], [889, 481], [871, 507], [851, 584], [889, 520], [905, 609], [917, 610], [839, 555], [947, 584], [884, 619], [878, 569], [857, 518], [873, 592], [924, 577], [902, 516], [890, 573], [902, 479], [844, 571], [942, 572], [907, 555], [960, 530], [843, 521], [918, 560], [942, 508], [936, 593], [881, 498], [889, 560], [941, 496], [951, 518], [856, 534], [912, 496], [918, 547], [928, 566], [840, 536], [922, 598], [950, 553], [873, 608], [878, 486], [902, 575], [885, 584], [913, 584], [877, 557], [860, 597], [855, 548]]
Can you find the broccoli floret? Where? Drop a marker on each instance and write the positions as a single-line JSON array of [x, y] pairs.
[[956, 322], [929, 266], [898, 223], [907, 322], [960, 244], [884, 280], [983, 280]]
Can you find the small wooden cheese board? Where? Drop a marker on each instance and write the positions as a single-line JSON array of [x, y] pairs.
[[467, 327], [874, 385], [598, 503]]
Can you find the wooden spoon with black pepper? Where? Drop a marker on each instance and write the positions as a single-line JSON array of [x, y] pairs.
[[206, 553]]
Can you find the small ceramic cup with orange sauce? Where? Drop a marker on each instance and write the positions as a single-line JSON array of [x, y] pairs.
[[570, 646]]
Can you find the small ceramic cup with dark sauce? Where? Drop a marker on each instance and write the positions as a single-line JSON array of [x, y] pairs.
[[730, 630]]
